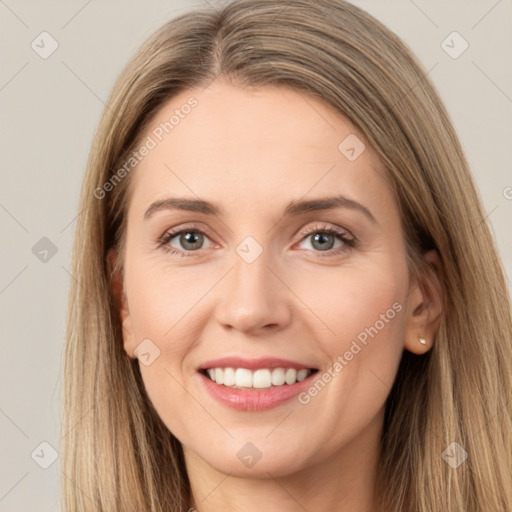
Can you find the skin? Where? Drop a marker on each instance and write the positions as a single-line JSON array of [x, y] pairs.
[[252, 152]]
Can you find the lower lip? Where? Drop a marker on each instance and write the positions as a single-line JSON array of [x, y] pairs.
[[254, 400]]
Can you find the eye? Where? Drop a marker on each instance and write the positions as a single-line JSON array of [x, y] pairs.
[[183, 241], [324, 239]]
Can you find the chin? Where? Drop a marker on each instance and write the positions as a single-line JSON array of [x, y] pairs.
[[254, 460]]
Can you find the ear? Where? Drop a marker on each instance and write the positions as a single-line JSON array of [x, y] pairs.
[[425, 305], [121, 302]]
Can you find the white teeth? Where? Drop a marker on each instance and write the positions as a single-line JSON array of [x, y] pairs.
[[278, 376], [243, 377], [302, 374], [290, 376], [259, 379], [229, 377]]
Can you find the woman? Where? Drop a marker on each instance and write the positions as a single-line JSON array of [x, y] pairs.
[[285, 291]]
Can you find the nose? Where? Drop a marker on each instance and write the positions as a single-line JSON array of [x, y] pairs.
[[254, 298]]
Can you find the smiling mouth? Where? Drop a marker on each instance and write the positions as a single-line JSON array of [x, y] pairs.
[[262, 378]]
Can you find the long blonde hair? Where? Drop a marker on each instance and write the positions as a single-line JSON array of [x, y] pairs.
[[117, 454]]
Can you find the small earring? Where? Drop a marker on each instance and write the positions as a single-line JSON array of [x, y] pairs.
[[423, 341]]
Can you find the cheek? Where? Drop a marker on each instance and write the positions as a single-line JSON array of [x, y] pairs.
[[358, 318], [358, 323], [163, 311], [166, 308], [345, 301], [164, 301]]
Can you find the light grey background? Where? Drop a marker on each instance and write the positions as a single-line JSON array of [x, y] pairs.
[[49, 112]]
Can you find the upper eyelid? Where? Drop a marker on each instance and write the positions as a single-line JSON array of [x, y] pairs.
[[326, 227], [186, 227]]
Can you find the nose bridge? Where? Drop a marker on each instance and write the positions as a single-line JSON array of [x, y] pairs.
[[254, 298]]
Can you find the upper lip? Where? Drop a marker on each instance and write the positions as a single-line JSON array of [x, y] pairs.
[[253, 364]]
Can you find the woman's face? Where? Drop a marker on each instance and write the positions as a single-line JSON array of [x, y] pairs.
[[260, 176]]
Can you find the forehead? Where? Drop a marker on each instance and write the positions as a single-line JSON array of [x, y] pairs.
[[254, 144]]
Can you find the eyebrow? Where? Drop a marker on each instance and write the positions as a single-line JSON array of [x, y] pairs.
[[294, 208]]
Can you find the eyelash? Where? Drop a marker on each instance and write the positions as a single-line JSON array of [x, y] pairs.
[[348, 241]]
